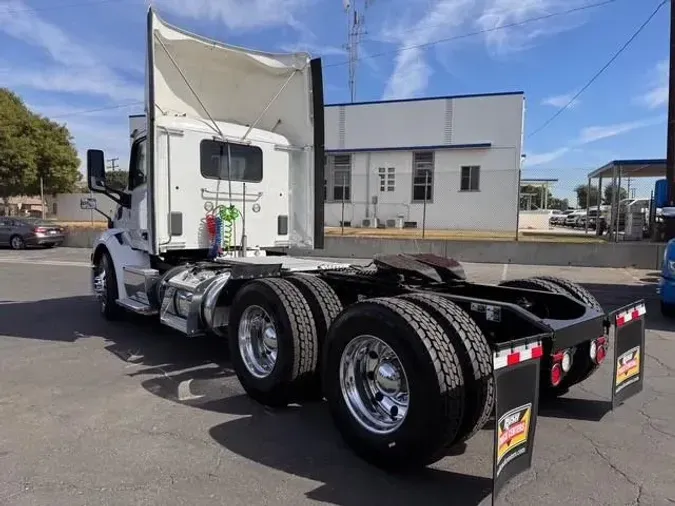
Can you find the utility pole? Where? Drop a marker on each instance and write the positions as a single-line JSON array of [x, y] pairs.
[[113, 163], [356, 27], [670, 157]]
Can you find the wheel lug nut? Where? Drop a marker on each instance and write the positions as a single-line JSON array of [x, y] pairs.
[[393, 411], [379, 396], [370, 375], [372, 355]]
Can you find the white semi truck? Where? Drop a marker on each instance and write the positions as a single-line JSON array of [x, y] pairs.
[[228, 164]]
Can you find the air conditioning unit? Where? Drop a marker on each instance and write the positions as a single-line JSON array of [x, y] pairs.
[[370, 223], [395, 222]]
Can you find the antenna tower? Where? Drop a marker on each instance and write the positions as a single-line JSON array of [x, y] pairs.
[[356, 27]]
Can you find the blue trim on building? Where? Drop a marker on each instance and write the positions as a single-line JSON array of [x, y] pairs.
[[482, 145], [421, 99]]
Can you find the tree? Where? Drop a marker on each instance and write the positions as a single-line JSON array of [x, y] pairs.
[[33, 147], [118, 179], [57, 161], [609, 190], [582, 196], [531, 197], [17, 152]]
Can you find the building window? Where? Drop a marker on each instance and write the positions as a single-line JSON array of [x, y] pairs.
[[470, 178], [338, 183], [387, 177], [233, 162], [423, 176]]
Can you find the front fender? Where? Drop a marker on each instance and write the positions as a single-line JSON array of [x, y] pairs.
[[118, 245]]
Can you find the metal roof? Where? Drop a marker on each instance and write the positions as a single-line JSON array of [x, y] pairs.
[[655, 167]]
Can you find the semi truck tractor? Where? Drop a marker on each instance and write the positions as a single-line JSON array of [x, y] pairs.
[[226, 166]]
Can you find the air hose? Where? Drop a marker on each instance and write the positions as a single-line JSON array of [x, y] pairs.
[[219, 224]]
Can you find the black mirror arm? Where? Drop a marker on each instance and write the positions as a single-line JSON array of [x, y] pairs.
[[120, 197]]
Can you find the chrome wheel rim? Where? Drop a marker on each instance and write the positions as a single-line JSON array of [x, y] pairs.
[[258, 341], [100, 285], [374, 384]]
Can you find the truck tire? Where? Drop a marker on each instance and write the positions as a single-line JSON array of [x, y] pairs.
[[325, 306], [107, 298], [534, 284], [475, 356], [575, 290], [392, 346], [272, 339], [582, 365]]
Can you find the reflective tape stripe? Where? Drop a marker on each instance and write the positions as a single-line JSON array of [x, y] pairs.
[[634, 313], [510, 357]]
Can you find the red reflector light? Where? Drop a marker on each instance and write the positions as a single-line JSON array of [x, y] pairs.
[[556, 374], [600, 354], [40, 230]]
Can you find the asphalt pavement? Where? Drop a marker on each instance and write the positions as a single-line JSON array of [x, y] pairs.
[[96, 413]]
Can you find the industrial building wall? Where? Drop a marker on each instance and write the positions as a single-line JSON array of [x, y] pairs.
[[479, 135], [495, 119], [492, 207]]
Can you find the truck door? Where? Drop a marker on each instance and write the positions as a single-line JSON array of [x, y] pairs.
[[137, 217]]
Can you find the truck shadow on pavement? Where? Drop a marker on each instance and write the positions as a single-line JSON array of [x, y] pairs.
[[302, 441]]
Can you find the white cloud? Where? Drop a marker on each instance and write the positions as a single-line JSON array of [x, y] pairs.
[[240, 14], [657, 96], [74, 68], [561, 101], [589, 135], [596, 133], [546, 157], [412, 71], [501, 13]]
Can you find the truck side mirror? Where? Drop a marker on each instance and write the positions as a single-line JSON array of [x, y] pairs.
[[96, 170]]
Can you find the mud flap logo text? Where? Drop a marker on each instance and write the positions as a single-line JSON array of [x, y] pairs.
[[512, 432], [627, 368]]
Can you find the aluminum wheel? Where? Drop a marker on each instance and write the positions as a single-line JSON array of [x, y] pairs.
[[374, 384], [99, 285], [258, 341]]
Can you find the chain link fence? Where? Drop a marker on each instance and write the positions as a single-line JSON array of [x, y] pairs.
[[565, 203], [472, 203], [425, 203]]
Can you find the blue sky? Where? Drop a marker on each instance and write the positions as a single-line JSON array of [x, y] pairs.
[[68, 56]]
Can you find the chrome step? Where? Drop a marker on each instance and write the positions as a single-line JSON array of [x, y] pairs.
[[137, 306]]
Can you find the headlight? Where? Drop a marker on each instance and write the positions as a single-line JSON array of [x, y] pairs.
[[181, 303]]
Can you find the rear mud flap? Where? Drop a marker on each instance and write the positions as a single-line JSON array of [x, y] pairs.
[[629, 351], [516, 367]]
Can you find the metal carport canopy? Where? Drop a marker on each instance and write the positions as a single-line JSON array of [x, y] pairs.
[[631, 168]]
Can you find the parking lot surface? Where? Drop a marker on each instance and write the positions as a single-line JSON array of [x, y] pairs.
[[97, 413]]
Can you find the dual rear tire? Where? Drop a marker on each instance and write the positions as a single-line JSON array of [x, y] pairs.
[[406, 378]]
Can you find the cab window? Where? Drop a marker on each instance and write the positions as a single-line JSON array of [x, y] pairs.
[[229, 161]]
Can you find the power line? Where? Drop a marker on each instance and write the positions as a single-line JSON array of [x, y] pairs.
[[478, 32], [87, 111], [602, 70], [546, 16]]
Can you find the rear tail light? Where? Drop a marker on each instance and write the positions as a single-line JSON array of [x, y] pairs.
[[40, 230], [598, 350], [556, 374], [560, 365]]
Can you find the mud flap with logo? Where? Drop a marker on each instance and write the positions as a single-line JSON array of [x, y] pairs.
[[629, 351], [516, 369]]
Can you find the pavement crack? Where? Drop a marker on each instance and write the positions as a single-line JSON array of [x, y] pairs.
[[661, 363]]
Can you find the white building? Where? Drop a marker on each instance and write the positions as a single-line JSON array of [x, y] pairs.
[[461, 154]]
